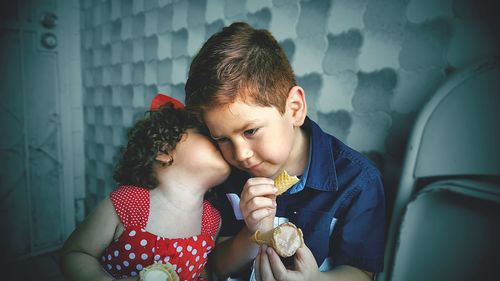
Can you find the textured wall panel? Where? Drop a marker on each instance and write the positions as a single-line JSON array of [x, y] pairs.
[[367, 66]]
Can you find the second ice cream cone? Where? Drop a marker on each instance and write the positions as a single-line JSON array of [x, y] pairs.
[[159, 272], [285, 239]]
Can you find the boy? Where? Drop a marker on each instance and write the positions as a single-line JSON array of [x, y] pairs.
[[243, 87]]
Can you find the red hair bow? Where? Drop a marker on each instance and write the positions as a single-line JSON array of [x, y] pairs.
[[160, 99]]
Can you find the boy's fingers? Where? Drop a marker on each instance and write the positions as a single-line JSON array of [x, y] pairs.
[[265, 271], [304, 253], [260, 190], [304, 259], [259, 187], [256, 200], [258, 203], [256, 216], [277, 267], [257, 265], [259, 180]]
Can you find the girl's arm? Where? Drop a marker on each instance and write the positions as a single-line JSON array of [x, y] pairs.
[[80, 253], [208, 272], [233, 253]]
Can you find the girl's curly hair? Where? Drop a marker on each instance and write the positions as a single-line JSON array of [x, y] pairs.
[[158, 131]]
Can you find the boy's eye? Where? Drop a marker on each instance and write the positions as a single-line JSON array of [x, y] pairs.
[[221, 140], [250, 132]]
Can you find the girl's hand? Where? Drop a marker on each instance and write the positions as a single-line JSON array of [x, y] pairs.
[[258, 203], [268, 266]]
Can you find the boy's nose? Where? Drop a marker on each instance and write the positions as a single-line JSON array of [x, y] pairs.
[[242, 152]]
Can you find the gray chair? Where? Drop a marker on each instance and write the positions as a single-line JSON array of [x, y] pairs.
[[445, 223]]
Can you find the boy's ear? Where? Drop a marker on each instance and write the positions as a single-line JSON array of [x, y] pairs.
[[296, 104]]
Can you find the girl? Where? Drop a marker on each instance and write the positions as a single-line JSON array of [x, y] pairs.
[[158, 213]]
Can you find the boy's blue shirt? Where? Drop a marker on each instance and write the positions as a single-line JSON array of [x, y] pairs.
[[338, 203]]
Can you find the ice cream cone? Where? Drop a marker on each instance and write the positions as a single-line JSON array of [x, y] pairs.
[[159, 272], [285, 239]]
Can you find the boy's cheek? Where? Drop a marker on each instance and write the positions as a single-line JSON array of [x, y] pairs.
[[228, 156]]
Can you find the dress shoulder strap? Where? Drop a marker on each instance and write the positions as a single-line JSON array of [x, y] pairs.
[[210, 220], [131, 204]]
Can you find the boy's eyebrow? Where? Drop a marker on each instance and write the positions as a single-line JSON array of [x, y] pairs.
[[244, 127]]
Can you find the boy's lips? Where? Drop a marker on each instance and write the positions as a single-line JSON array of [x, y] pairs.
[[252, 167]]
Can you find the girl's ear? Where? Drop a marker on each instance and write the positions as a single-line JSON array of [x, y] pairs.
[[163, 158], [296, 105]]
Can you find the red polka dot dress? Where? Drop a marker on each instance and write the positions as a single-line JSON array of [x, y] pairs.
[[137, 248]]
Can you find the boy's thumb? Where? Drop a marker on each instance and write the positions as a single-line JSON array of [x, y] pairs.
[[304, 253]]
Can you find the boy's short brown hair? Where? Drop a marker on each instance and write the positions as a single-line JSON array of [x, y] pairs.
[[239, 63]]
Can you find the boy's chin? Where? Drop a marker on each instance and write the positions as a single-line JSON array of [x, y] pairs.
[[253, 174]]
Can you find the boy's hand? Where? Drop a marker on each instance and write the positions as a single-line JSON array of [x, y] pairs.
[[268, 265], [258, 203]]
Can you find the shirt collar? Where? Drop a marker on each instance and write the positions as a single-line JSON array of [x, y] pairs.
[[320, 173], [303, 179]]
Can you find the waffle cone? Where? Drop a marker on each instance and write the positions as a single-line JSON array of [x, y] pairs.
[[284, 181], [159, 272], [285, 239], [263, 238]]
